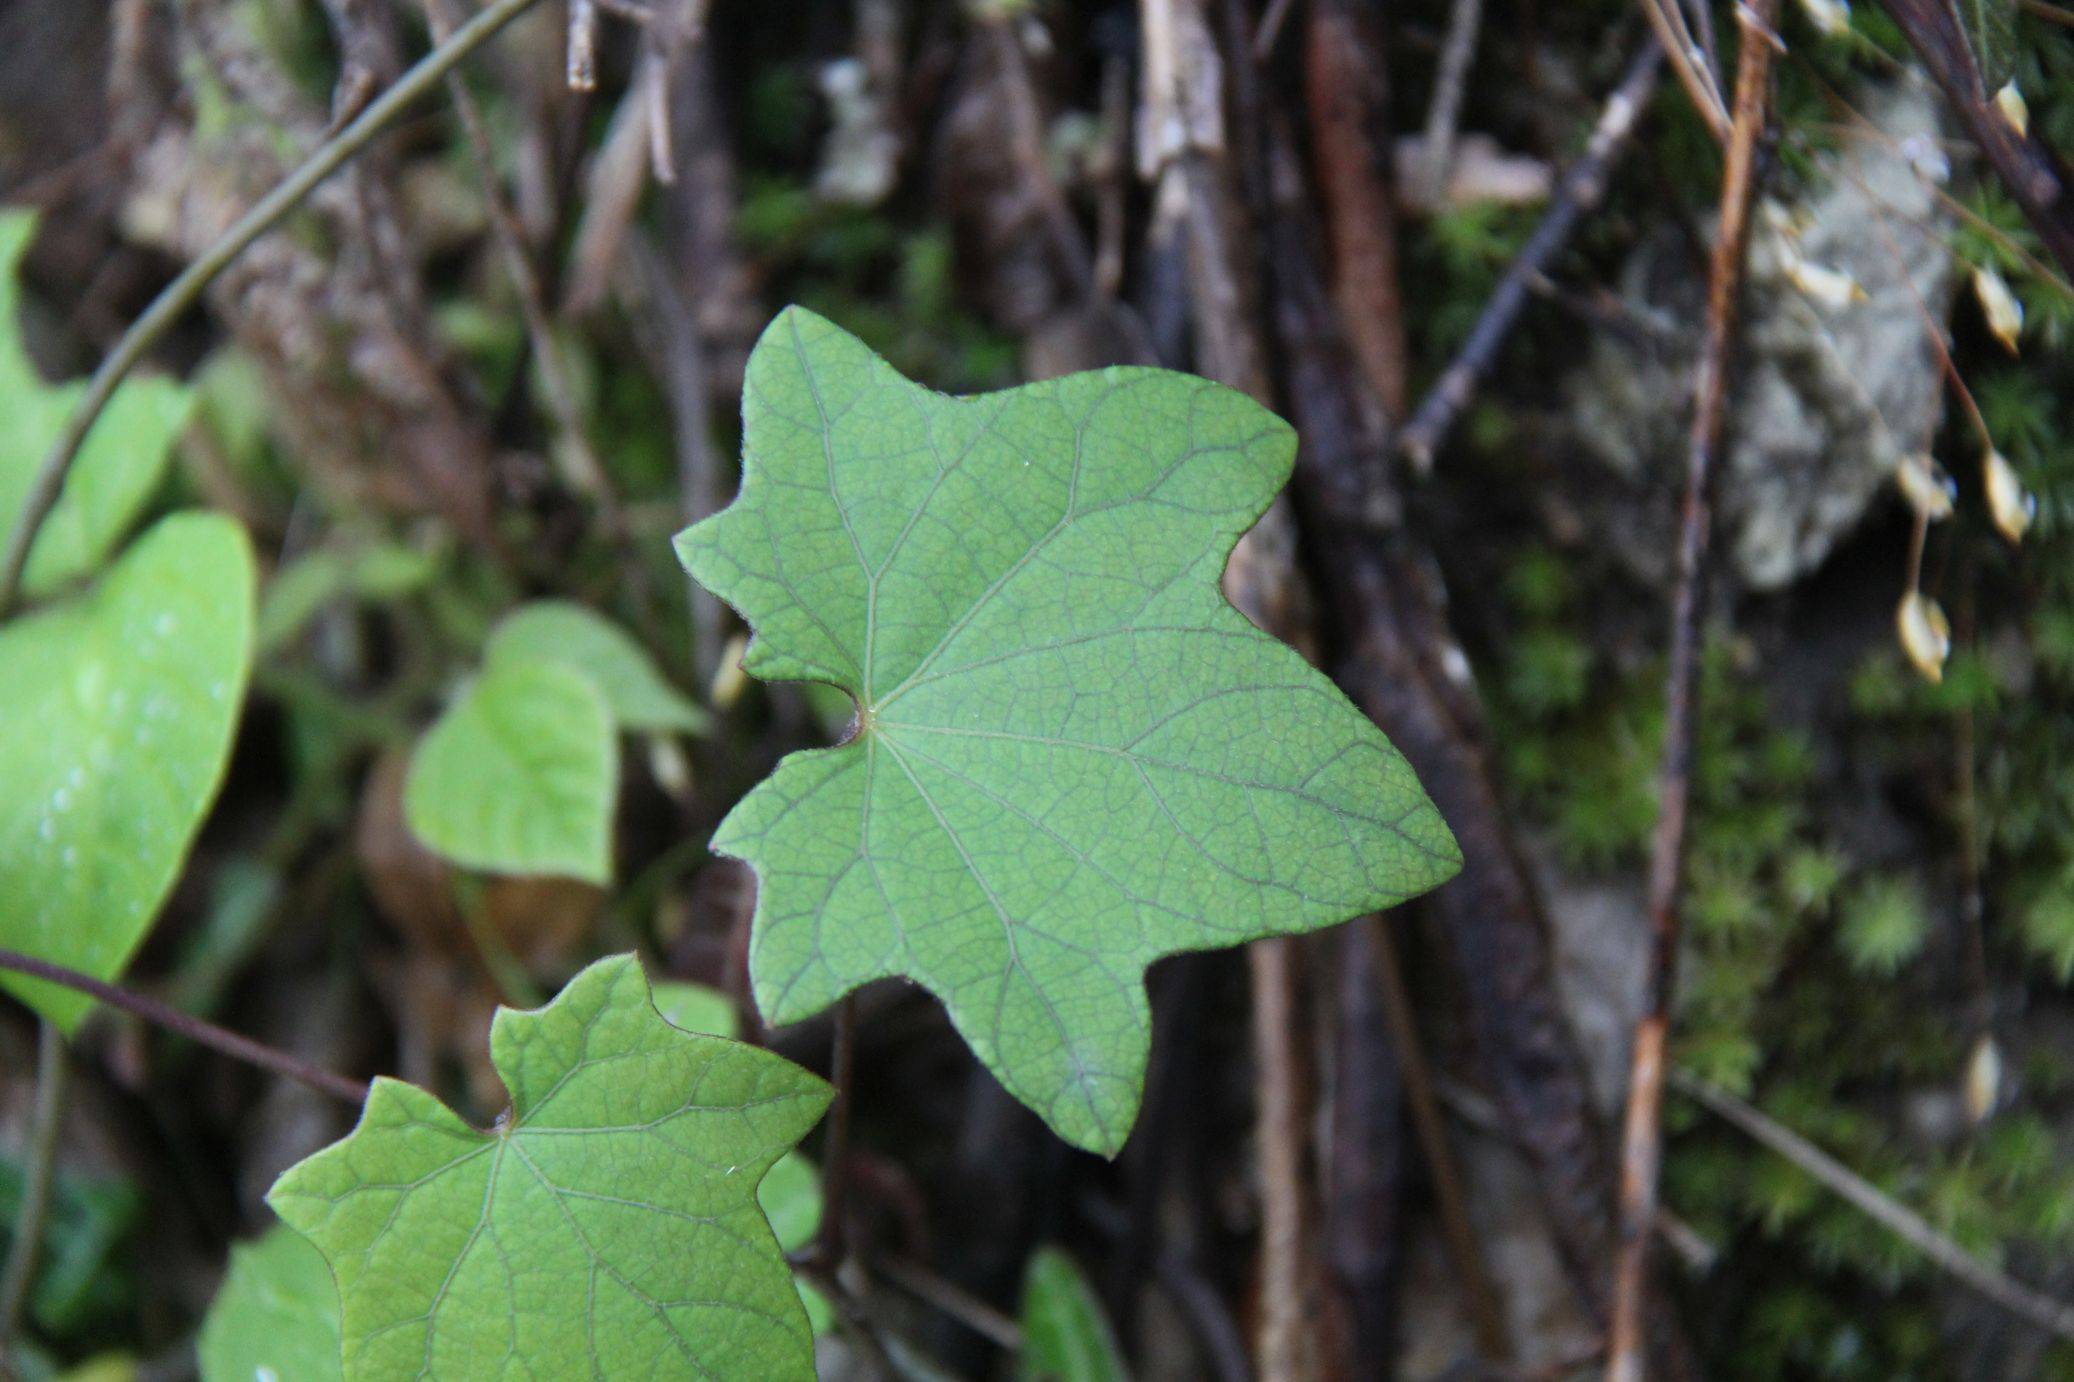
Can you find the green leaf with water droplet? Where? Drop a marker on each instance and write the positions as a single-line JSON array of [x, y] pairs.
[[1073, 756], [519, 774], [117, 468], [276, 1317], [606, 1227], [120, 706]]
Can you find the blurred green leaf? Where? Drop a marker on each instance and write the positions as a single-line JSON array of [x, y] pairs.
[[560, 631], [1066, 1337], [276, 1316], [519, 775], [117, 469]]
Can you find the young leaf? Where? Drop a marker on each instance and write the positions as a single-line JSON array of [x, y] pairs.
[[1066, 1337], [606, 1227], [519, 775], [299, 590], [1072, 756], [116, 469], [565, 632], [275, 1316], [120, 707]]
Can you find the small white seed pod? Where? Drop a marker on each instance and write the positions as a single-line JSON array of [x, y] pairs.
[[1926, 486], [2000, 306], [1926, 635], [2010, 101], [1983, 1083], [2008, 504], [1830, 17]]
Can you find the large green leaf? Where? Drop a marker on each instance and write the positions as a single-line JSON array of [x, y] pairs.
[[1066, 1337], [1072, 755], [519, 774], [566, 632], [119, 708], [606, 1227], [124, 456], [276, 1316]]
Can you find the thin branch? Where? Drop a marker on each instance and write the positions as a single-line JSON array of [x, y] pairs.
[[587, 471], [1642, 1135], [1444, 115], [2039, 1309], [835, 1153], [202, 1033], [1486, 1314], [953, 1302], [582, 65], [1668, 21], [1286, 1322], [1583, 184], [40, 1167], [185, 290]]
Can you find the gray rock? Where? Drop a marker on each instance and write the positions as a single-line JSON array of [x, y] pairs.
[[1830, 394]]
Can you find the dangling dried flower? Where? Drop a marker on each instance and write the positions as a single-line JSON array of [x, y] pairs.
[[1983, 1083], [1827, 288], [2011, 508], [1925, 485], [2004, 313], [1926, 636], [669, 766], [2014, 108], [729, 680], [1830, 17]]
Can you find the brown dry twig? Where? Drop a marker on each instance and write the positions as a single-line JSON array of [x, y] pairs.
[[1690, 62], [2035, 1307], [1582, 185], [1642, 1136]]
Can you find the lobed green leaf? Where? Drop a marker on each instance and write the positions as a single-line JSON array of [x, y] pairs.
[[1072, 755], [608, 1226]]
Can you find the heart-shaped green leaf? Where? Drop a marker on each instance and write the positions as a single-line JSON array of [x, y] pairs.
[[119, 708], [519, 774], [117, 468], [275, 1316], [565, 632], [606, 1227], [1073, 756]]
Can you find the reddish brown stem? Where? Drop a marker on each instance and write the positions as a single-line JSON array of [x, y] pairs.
[[1642, 1134], [202, 1033], [2028, 167], [1345, 89]]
